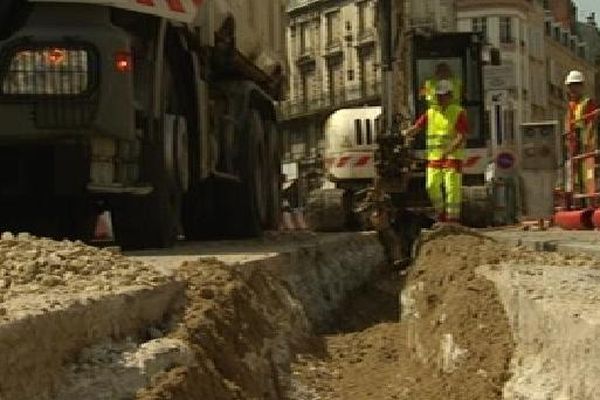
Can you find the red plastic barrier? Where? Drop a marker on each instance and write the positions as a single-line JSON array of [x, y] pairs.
[[575, 219], [596, 218]]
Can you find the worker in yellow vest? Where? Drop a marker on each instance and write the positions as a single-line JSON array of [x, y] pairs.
[[442, 72], [581, 134], [447, 129]]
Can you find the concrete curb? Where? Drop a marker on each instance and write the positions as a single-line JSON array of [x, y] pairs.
[[35, 346]]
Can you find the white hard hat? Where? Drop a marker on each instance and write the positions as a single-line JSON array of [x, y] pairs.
[[574, 77], [443, 87]]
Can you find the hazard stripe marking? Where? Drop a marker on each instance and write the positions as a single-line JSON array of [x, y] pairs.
[[362, 161], [342, 162], [471, 161], [175, 5]]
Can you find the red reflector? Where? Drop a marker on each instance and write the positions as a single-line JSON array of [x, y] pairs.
[[56, 56], [123, 61]]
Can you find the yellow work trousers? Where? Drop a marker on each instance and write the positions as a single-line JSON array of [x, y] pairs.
[[444, 187]]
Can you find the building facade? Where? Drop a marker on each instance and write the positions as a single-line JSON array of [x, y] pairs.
[[333, 56], [537, 49], [515, 27], [590, 34], [565, 51]]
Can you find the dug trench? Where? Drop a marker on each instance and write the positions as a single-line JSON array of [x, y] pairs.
[[321, 320]]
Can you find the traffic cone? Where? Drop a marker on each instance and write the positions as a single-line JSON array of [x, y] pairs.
[[104, 229], [299, 221], [287, 223]]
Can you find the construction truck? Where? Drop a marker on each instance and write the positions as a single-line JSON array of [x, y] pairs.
[[159, 111], [350, 136]]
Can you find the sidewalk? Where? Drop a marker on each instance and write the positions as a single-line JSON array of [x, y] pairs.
[[555, 239]]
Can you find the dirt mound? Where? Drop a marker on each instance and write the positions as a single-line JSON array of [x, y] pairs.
[[242, 326], [458, 335], [358, 356], [453, 341]]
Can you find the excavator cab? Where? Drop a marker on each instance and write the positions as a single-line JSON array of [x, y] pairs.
[[457, 57]]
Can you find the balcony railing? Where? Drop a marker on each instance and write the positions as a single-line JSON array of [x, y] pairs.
[[334, 46], [294, 4], [369, 94], [366, 36], [307, 55]]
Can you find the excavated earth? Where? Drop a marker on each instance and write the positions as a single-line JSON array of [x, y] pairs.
[[298, 318], [480, 320], [83, 323]]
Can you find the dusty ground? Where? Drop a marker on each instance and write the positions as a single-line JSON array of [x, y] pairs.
[[454, 342]]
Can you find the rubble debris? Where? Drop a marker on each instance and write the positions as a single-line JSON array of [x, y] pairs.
[[39, 266]]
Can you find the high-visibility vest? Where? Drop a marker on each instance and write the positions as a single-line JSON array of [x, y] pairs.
[[441, 131], [576, 127], [431, 97]]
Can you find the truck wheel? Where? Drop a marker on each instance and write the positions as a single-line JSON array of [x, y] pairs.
[[149, 221], [326, 210], [200, 211], [274, 174], [477, 209], [152, 220], [250, 198]]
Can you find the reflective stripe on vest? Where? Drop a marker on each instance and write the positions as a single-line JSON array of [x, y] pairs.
[[441, 131], [578, 113], [431, 97]]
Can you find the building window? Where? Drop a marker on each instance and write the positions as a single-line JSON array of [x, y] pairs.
[[305, 39], [305, 87], [335, 78], [363, 10], [333, 28], [506, 35], [363, 64], [350, 74], [480, 25], [548, 28]]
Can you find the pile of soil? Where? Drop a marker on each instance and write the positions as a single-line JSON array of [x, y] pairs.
[[243, 329], [457, 333]]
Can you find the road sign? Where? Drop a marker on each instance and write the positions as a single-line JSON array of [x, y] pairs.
[[499, 77], [497, 97], [505, 160]]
